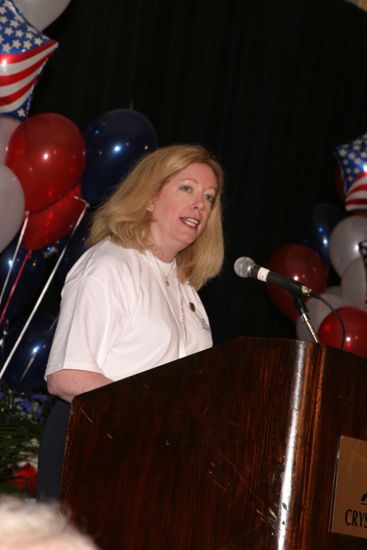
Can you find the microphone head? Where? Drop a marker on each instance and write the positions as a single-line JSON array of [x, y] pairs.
[[243, 266]]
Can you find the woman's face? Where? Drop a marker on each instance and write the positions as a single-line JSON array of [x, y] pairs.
[[181, 210]]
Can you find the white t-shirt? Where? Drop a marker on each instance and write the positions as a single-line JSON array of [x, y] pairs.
[[118, 317]]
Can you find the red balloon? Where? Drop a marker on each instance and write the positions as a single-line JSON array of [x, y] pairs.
[[355, 323], [47, 153], [301, 263], [54, 222]]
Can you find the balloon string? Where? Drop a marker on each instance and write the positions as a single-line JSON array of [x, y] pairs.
[[24, 227], [15, 284], [34, 355], [44, 290]]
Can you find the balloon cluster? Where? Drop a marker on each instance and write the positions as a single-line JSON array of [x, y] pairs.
[[327, 237], [348, 253], [50, 173]]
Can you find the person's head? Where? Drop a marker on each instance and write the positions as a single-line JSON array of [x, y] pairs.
[[170, 203], [28, 525]]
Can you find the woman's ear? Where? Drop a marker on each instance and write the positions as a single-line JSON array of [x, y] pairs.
[[150, 206]]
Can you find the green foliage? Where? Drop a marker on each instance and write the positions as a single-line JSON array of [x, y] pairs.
[[21, 417]]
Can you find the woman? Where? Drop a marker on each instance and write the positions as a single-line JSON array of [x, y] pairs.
[[130, 303]]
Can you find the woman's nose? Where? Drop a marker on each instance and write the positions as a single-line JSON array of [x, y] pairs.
[[198, 203]]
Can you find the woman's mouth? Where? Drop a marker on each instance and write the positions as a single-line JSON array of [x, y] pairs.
[[191, 222]]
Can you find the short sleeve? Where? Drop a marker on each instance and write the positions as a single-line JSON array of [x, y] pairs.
[[90, 321]]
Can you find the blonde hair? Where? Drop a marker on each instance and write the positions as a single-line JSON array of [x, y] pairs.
[[28, 525], [125, 219]]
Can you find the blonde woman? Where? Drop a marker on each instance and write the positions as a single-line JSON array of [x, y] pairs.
[[130, 303]]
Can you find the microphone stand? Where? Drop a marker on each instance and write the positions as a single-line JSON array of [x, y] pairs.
[[300, 304]]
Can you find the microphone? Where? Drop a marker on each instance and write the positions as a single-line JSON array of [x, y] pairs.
[[247, 268]]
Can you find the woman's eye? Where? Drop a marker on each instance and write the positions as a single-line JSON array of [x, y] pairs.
[[209, 198], [186, 188]]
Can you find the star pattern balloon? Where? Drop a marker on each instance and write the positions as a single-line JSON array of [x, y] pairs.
[[352, 160], [24, 51]]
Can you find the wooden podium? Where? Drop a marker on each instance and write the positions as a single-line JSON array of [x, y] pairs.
[[231, 448]]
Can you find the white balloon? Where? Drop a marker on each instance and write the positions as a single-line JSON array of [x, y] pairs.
[[318, 311], [40, 13], [12, 204], [7, 126], [354, 284], [333, 290], [343, 242]]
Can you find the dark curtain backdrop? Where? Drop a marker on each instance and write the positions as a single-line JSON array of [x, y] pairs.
[[270, 87]]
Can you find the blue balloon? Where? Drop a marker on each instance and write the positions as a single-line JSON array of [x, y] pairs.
[[53, 248], [114, 142], [314, 225], [27, 367], [29, 282]]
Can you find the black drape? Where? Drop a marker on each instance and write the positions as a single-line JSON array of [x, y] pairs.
[[270, 87]]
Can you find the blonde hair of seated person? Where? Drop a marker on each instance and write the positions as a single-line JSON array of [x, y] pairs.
[[28, 525]]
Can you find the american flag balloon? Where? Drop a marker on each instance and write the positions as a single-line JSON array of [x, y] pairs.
[[352, 160], [23, 53]]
